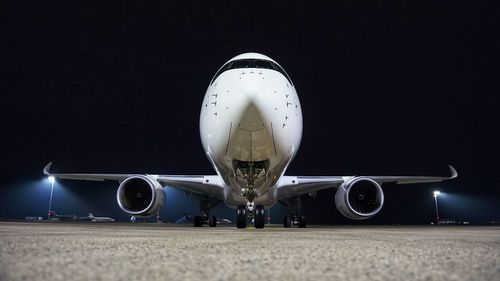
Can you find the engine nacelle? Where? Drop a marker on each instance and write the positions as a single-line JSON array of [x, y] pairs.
[[360, 198], [140, 196]]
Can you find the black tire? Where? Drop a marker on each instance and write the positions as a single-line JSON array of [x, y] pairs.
[[259, 216], [212, 222], [287, 222], [302, 222], [241, 217], [197, 221]]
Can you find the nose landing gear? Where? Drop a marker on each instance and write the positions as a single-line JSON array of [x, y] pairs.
[[243, 213]]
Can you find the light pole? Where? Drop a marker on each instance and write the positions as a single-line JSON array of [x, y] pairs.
[[52, 180], [436, 194]]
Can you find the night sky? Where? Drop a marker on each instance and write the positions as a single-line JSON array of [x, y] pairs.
[[386, 88]]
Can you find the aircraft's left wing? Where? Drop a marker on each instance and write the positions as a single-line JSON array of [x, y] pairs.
[[289, 186], [210, 185]]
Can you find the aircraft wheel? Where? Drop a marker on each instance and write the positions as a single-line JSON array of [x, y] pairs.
[[212, 222], [302, 221], [197, 221], [241, 217], [259, 216], [287, 222]]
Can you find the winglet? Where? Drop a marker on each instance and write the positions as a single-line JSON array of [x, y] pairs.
[[454, 173], [46, 169]]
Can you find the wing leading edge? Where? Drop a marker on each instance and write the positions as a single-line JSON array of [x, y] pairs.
[[287, 186], [290, 186], [210, 185]]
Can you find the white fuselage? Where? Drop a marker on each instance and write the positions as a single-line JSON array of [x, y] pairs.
[[251, 127]]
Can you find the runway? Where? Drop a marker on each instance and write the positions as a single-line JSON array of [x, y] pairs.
[[113, 251]]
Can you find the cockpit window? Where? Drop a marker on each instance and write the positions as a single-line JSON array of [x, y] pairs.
[[239, 64], [251, 63]]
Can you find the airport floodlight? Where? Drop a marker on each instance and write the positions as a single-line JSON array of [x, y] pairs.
[[436, 194], [52, 179]]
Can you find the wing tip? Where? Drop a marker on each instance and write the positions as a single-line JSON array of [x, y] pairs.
[[454, 173], [46, 169]]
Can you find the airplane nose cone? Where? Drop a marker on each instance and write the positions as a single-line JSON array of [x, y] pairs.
[[250, 103], [250, 137], [251, 118]]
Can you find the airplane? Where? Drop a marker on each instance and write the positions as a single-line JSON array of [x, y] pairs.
[[251, 129], [99, 219], [184, 219], [90, 217], [57, 217]]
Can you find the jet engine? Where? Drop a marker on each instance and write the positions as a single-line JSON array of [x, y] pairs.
[[140, 196], [360, 198]]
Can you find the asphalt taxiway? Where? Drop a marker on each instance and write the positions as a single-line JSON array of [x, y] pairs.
[[112, 251]]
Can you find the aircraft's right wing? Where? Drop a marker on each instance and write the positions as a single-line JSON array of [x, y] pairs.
[[207, 185], [210, 185]]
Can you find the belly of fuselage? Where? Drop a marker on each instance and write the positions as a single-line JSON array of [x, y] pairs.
[[251, 126]]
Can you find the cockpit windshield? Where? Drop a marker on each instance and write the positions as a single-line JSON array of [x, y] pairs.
[[251, 63]]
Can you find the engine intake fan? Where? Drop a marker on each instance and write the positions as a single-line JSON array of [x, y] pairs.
[[361, 198], [140, 196]]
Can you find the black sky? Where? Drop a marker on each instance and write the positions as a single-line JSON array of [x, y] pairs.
[[386, 87]]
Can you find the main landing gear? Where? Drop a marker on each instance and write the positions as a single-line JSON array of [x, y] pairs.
[[243, 213], [205, 205], [205, 219], [294, 207], [294, 220]]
